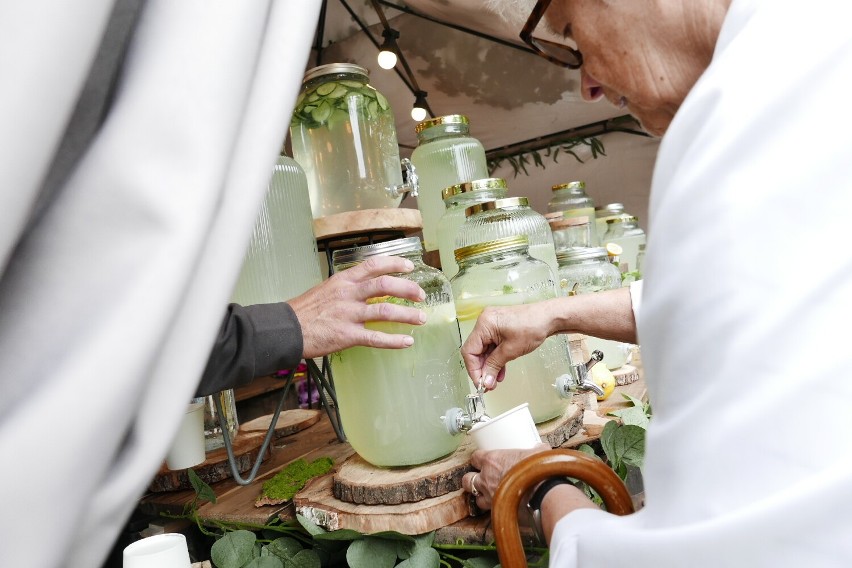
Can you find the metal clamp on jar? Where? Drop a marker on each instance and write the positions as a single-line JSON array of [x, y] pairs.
[[567, 384]]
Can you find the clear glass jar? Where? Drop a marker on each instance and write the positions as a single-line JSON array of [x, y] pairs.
[[569, 232], [602, 214], [508, 217], [213, 437], [587, 270], [457, 198], [392, 401], [572, 200], [446, 154], [624, 231], [281, 261], [343, 134], [502, 273]]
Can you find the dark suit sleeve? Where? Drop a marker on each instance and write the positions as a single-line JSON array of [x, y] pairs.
[[254, 341]]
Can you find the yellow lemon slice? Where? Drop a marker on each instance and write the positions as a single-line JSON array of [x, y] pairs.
[[604, 378], [614, 249]]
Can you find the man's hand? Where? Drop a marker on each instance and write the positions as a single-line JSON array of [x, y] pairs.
[[332, 314]]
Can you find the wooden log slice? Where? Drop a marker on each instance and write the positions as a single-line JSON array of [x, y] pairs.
[[215, 468], [555, 432], [401, 219], [360, 482], [289, 422], [625, 375], [317, 503]]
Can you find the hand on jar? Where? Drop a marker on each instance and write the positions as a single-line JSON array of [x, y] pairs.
[[332, 314], [502, 334], [492, 466]]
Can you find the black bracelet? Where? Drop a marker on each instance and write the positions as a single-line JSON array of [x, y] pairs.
[[534, 505]]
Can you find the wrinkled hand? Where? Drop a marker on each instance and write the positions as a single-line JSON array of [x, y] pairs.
[[332, 314], [492, 466], [501, 335]]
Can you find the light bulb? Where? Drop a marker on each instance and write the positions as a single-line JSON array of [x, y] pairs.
[[418, 113], [387, 59]]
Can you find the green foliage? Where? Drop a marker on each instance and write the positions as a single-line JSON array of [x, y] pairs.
[[202, 490], [519, 162], [624, 443]]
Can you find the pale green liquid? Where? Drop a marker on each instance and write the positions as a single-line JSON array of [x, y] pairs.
[[350, 161], [630, 246], [441, 163], [546, 253], [448, 228], [391, 400], [529, 378]]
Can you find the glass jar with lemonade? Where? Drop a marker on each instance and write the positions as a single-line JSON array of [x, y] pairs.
[[457, 198], [392, 402], [343, 134], [507, 217], [446, 154], [572, 200], [502, 273]]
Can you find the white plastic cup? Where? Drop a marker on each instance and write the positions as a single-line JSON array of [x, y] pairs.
[[188, 446], [166, 550], [512, 430]]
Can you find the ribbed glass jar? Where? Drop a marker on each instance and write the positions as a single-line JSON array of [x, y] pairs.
[[281, 261], [392, 401], [446, 154], [588, 270], [569, 232], [572, 200], [603, 213], [508, 217], [502, 273], [624, 231], [344, 135], [457, 198]]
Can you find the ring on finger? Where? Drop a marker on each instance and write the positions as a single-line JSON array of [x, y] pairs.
[[473, 490]]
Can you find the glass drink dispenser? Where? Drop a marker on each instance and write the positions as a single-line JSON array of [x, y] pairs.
[[395, 404], [343, 135]]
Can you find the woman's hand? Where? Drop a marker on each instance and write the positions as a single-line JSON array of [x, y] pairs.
[[492, 466], [332, 314]]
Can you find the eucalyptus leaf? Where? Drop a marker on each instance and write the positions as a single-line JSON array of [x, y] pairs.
[[480, 562], [633, 400], [425, 540], [393, 535], [265, 562], [405, 549], [589, 451], [284, 547], [341, 534], [203, 490], [372, 553], [304, 559], [233, 550], [310, 526], [422, 558]]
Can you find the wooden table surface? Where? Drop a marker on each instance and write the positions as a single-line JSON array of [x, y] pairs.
[[235, 503]]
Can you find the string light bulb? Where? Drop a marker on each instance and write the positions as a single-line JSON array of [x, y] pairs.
[[388, 51], [418, 111]]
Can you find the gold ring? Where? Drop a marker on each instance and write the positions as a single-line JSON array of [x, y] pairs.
[[473, 490]]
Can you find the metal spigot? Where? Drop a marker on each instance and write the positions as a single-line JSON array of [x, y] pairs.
[[411, 185], [582, 380], [457, 420]]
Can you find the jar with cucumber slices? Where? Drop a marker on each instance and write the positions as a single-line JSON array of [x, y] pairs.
[[344, 137]]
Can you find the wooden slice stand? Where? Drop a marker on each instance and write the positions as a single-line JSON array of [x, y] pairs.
[[358, 224], [555, 432], [289, 422], [215, 468]]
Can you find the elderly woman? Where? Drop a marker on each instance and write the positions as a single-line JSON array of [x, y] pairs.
[[746, 298]]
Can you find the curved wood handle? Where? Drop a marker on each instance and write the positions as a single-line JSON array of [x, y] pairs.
[[533, 470]]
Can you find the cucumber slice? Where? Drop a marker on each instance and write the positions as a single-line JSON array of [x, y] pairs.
[[367, 92], [322, 112], [338, 92], [383, 102], [352, 84], [313, 97], [373, 109], [338, 117], [326, 88]]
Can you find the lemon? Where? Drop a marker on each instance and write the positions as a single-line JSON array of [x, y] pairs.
[[604, 378], [614, 249]]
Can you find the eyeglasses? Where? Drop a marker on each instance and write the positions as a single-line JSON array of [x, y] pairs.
[[552, 51]]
